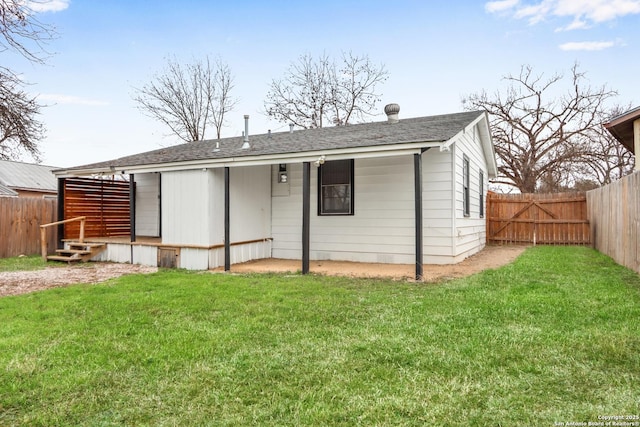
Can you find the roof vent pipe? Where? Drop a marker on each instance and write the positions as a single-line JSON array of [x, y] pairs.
[[290, 127], [392, 110], [245, 138]]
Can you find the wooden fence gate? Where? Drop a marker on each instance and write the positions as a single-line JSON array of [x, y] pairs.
[[549, 219]]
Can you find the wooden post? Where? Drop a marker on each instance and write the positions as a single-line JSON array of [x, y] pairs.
[[81, 237], [61, 196], [43, 243]]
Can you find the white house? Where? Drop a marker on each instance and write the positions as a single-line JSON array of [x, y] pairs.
[[398, 191]]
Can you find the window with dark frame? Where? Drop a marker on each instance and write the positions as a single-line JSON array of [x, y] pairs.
[[466, 209], [481, 195], [335, 188]]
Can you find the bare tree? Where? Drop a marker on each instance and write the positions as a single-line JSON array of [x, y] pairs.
[[21, 33], [19, 128], [607, 160], [223, 101], [540, 136], [189, 98], [318, 91]]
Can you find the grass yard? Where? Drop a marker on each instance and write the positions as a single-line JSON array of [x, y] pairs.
[[32, 262], [552, 338]]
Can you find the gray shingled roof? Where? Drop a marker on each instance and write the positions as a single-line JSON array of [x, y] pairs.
[[422, 129], [27, 176]]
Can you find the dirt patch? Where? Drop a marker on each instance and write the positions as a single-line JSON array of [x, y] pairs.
[[22, 282], [489, 257]]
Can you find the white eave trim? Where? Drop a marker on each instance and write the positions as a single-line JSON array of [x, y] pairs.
[[261, 160]]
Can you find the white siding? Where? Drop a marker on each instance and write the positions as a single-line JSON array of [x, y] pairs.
[[381, 229], [185, 207], [286, 216], [145, 255], [383, 225], [147, 204], [469, 232], [194, 259], [437, 206], [116, 253], [216, 207], [240, 253], [250, 251], [250, 203], [193, 213]]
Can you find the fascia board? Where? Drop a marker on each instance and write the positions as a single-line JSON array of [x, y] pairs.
[[486, 143]]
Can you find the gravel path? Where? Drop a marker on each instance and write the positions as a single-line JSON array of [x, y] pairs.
[[21, 282]]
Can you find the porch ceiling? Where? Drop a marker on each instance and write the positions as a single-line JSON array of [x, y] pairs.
[[621, 128]]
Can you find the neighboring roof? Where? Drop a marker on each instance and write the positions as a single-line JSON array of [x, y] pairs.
[[621, 127], [378, 136], [28, 176], [7, 192]]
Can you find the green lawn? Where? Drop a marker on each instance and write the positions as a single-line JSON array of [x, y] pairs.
[[32, 262], [552, 338]]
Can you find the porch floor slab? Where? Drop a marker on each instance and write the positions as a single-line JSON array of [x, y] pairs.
[[489, 257]]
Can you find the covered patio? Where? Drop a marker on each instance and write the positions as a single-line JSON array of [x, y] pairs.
[[492, 256]]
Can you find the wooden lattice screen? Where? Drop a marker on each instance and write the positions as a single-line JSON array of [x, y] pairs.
[[105, 203], [552, 219]]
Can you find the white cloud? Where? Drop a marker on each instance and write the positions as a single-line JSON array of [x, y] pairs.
[[500, 5], [47, 5], [535, 12], [582, 12], [577, 24], [70, 100], [586, 45], [597, 10]]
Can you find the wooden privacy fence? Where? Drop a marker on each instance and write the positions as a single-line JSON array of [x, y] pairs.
[[20, 220], [550, 219], [105, 203], [614, 214]]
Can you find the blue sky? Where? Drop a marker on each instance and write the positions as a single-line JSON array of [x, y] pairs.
[[435, 54]]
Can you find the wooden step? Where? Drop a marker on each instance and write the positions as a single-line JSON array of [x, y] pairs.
[[63, 258], [85, 245], [78, 252], [72, 251]]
